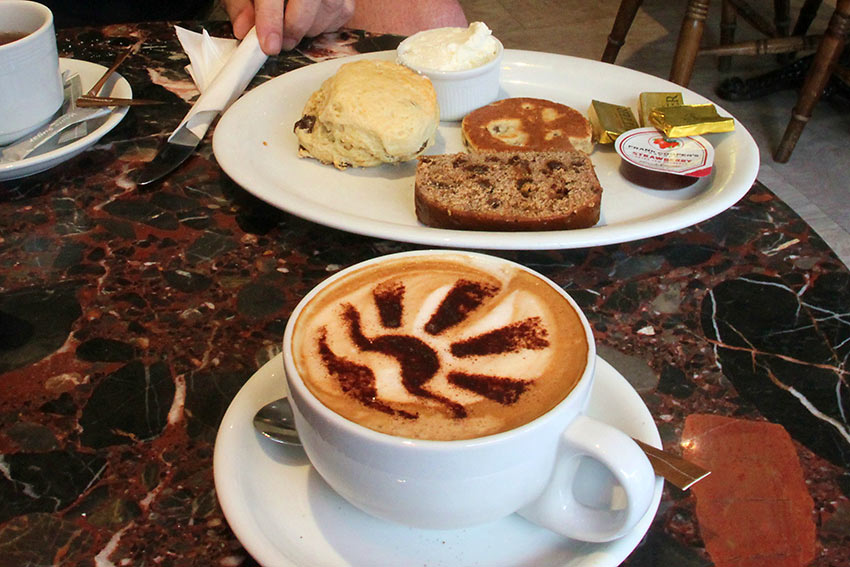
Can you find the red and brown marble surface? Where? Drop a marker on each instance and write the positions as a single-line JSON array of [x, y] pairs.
[[130, 317]]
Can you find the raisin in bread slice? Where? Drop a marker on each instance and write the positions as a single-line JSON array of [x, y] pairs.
[[508, 191]]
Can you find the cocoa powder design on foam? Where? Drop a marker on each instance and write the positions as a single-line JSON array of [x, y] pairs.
[[419, 362]]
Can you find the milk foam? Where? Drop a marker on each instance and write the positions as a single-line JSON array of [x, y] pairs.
[[450, 403]]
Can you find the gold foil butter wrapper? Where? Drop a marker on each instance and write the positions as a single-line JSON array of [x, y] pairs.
[[648, 101], [690, 120], [610, 120]]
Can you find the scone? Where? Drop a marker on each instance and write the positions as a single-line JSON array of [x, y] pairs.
[[369, 112], [532, 124], [508, 191]]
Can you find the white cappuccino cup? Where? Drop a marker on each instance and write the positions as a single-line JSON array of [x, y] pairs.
[[529, 468]]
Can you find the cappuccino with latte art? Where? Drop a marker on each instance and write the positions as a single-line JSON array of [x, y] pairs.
[[442, 389], [440, 347]]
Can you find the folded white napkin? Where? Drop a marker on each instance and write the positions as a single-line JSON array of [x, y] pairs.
[[221, 69], [207, 54]]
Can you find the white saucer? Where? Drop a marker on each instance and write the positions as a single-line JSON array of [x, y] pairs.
[[117, 86], [285, 515]]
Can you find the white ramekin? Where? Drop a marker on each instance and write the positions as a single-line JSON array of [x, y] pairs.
[[460, 92]]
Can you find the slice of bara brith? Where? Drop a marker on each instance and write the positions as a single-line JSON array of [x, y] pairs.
[[508, 191]]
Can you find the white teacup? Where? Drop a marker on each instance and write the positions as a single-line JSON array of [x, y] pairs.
[[445, 484], [30, 80]]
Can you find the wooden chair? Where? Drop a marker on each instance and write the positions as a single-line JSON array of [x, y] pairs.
[[622, 22], [779, 40], [823, 66], [829, 47]]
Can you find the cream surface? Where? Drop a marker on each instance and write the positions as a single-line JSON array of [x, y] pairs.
[[426, 399], [449, 49]]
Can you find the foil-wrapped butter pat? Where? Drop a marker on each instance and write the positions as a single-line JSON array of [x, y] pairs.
[[690, 120], [610, 120], [648, 101]]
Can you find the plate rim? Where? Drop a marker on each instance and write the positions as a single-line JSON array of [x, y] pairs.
[[42, 162], [746, 169], [235, 428]]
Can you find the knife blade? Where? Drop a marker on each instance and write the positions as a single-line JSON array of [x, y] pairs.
[[225, 88], [171, 154]]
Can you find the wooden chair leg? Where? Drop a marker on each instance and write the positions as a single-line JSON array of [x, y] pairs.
[[822, 67], [622, 23], [782, 20], [728, 23], [782, 17], [687, 45], [807, 15], [755, 18]]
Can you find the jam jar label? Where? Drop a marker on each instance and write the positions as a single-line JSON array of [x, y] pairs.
[[647, 148]]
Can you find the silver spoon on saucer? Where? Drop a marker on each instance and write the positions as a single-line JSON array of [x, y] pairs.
[[275, 421]]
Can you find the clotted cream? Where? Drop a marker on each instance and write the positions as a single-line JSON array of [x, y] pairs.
[[449, 49]]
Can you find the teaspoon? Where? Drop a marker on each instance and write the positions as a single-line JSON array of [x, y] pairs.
[[275, 421]]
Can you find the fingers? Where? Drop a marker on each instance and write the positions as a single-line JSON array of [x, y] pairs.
[[300, 15], [332, 15], [304, 18], [308, 18], [241, 14], [344, 15], [269, 22]]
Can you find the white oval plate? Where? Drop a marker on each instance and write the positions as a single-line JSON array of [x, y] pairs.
[[89, 73], [286, 516], [256, 147]]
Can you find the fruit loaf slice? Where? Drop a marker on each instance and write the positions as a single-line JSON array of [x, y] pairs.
[[508, 191]]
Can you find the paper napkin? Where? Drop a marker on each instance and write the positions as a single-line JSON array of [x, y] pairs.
[[207, 54], [221, 69]]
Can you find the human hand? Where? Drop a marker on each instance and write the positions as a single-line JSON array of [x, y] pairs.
[[280, 27]]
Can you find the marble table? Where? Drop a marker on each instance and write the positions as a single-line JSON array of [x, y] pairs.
[[130, 317]]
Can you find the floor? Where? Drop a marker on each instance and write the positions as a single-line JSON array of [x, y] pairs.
[[813, 182]]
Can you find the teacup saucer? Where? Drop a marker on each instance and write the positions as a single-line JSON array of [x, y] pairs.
[[89, 73], [285, 515]]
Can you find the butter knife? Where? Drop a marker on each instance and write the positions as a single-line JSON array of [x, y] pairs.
[[227, 86], [173, 152]]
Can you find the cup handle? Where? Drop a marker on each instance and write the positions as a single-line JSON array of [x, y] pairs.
[[558, 509]]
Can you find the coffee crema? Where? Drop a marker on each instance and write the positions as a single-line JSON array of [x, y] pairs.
[[440, 347]]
